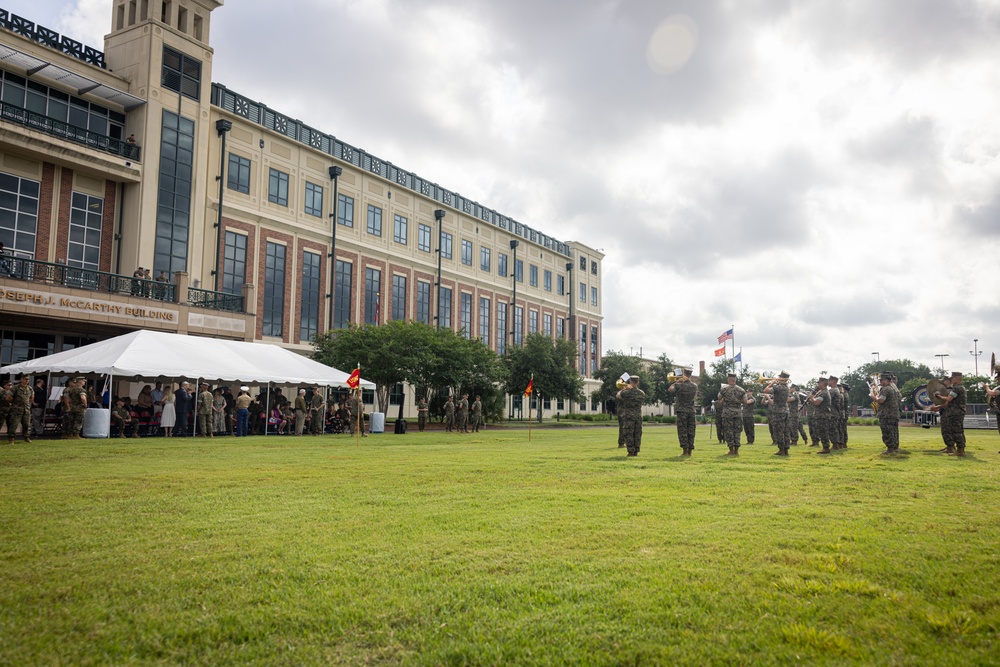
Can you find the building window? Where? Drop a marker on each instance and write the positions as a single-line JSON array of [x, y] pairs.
[[423, 238], [484, 259], [396, 396], [466, 252], [593, 350], [374, 220], [547, 324], [484, 320], [345, 210], [560, 404], [373, 290], [518, 325], [533, 275], [532, 321], [314, 199], [561, 285], [399, 298], [593, 267], [59, 106], [446, 245], [560, 327], [583, 263], [583, 293], [465, 315], [423, 302], [173, 204], [309, 317], [519, 271], [582, 340], [239, 174], [547, 281], [181, 73], [593, 296], [444, 294], [84, 248], [234, 263], [345, 288], [274, 289], [399, 224], [501, 265], [501, 328], [277, 188]]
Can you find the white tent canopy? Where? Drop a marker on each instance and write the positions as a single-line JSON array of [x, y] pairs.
[[152, 354]]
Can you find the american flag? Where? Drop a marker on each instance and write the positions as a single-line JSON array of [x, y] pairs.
[[726, 336]]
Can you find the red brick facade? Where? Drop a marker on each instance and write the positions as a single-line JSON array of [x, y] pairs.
[[43, 232]]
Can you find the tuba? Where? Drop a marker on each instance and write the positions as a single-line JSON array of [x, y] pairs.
[[876, 391]]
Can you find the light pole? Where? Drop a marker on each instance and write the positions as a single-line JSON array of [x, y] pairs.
[[223, 127], [335, 173], [878, 359], [513, 309], [439, 216], [569, 290], [975, 352], [941, 357]]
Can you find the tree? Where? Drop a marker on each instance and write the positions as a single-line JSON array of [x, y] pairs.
[[711, 382], [658, 381], [551, 363], [861, 378], [613, 365]]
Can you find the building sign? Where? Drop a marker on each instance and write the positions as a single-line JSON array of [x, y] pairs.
[[63, 302]]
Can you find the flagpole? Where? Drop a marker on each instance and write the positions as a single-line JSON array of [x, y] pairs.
[[532, 385], [357, 431]]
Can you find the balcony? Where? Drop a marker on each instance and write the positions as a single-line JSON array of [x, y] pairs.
[[56, 128]]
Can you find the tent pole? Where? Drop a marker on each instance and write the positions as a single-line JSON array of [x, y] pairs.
[[267, 408]]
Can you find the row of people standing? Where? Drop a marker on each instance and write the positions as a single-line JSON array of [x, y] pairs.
[[459, 416]]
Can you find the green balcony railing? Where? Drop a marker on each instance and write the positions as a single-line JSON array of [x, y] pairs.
[[232, 303], [57, 128]]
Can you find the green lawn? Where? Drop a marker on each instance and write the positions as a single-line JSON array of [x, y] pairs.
[[440, 548]]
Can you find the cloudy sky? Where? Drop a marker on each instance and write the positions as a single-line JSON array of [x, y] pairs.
[[822, 175]]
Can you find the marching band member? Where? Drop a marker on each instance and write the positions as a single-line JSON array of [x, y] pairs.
[[685, 391], [889, 400], [823, 414], [778, 391], [952, 412], [731, 424]]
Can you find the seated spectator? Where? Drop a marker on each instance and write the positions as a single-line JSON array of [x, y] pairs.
[[144, 402], [125, 420], [277, 421]]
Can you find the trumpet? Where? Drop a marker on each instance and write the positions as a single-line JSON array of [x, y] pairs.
[[765, 379], [677, 375]]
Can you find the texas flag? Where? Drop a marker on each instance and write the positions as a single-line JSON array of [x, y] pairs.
[[726, 336]]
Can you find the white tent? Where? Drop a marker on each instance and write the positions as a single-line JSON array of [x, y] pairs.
[[152, 354]]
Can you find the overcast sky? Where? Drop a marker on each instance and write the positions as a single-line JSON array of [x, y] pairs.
[[822, 175]]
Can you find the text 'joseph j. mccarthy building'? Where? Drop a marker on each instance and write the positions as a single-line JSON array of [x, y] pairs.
[[268, 229]]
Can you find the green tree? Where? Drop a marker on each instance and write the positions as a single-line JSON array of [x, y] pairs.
[[860, 379], [658, 372], [613, 365], [550, 361], [711, 382]]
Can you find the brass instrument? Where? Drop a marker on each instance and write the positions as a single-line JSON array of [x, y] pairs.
[[620, 384], [876, 390], [764, 379], [677, 375]]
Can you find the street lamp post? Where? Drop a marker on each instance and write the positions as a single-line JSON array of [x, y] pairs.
[[439, 216], [878, 359], [223, 127], [569, 290], [941, 357], [513, 308], [335, 173], [975, 352]]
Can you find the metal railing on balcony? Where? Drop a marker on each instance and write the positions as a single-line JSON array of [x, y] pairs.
[[232, 303], [56, 128], [47, 273]]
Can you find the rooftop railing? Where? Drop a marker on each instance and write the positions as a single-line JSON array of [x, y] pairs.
[[56, 128]]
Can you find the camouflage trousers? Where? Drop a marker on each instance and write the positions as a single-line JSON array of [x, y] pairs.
[[621, 432], [686, 426], [838, 432], [316, 422], [72, 422], [748, 428], [890, 432], [779, 430], [795, 428], [462, 422], [15, 417], [421, 421], [632, 432], [953, 430], [822, 430], [731, 427], [205, 425]]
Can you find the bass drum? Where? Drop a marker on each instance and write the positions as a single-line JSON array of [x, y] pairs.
[[921, 399]]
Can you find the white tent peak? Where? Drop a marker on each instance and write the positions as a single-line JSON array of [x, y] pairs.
[[154, 354]]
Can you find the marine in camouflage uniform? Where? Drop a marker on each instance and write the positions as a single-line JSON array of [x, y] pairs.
[[462, 414], [75, 404], [846, 391], [823, 414], [476, 415], [779, 412], [22, 395], [5, 398], [630, 400], [449, 414], [204, 411], [749, 403], [685, 391], [422, 412], [953, 417], [317, 411], [123, 417], [889, 400], [731, 421], [993, 400], [813, 439], [794, 418], [836, 411]]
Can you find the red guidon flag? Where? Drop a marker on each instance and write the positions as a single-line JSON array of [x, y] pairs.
[[355, 379], [721, 351], [530, 388]]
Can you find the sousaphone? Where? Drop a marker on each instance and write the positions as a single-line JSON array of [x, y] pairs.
[[933, 387]]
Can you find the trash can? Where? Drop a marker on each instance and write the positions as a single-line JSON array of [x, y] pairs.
[[377, 423], [96, 423]]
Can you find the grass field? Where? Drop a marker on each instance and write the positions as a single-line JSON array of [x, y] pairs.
[[446, 549]]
